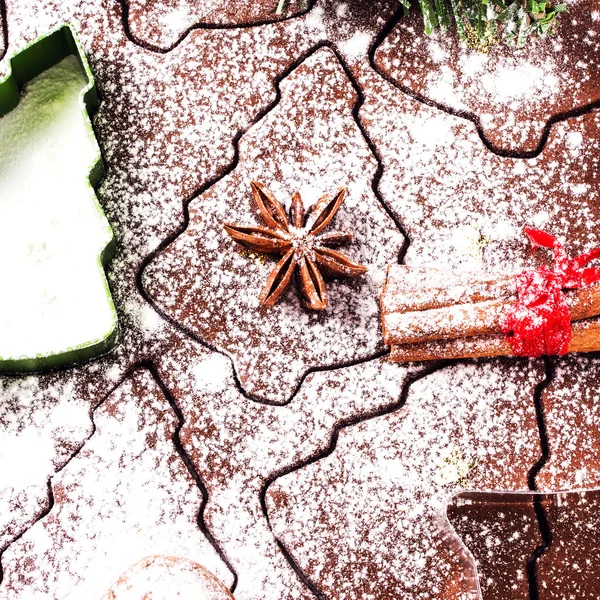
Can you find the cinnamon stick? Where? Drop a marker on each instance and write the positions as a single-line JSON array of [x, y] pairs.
[[586, 338], [472, 319], [460, 320], [411, 289]]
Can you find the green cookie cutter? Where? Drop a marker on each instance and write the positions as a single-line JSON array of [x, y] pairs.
[[39, 56]]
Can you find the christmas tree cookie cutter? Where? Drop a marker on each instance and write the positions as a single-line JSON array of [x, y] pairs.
[[37, 57]]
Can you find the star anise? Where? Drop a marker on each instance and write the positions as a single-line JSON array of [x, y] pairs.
[[306, 251]]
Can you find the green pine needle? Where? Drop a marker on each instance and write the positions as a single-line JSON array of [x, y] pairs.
[[283, 4], [483, 23], [280, 7]]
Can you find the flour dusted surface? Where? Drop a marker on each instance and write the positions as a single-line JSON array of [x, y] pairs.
[[126, 495], [511, 92], [161, 577], [179, 113], [368, 520]]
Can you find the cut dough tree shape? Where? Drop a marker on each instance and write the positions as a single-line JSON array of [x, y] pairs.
[[438, 177], [309, 143], [237, 445], [387, 484], [56, 307]]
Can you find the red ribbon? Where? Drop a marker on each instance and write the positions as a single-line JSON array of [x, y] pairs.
[[539, 322]]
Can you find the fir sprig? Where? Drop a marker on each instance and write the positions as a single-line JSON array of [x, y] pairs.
[[483, 23]]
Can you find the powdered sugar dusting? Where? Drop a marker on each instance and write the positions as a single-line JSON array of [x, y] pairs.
[[437, 185], [162, 23], [513, 92], [510, 83], [237, 445], [125, 496], [571, 414], [42, 420], [386, 486], [205, 283]]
